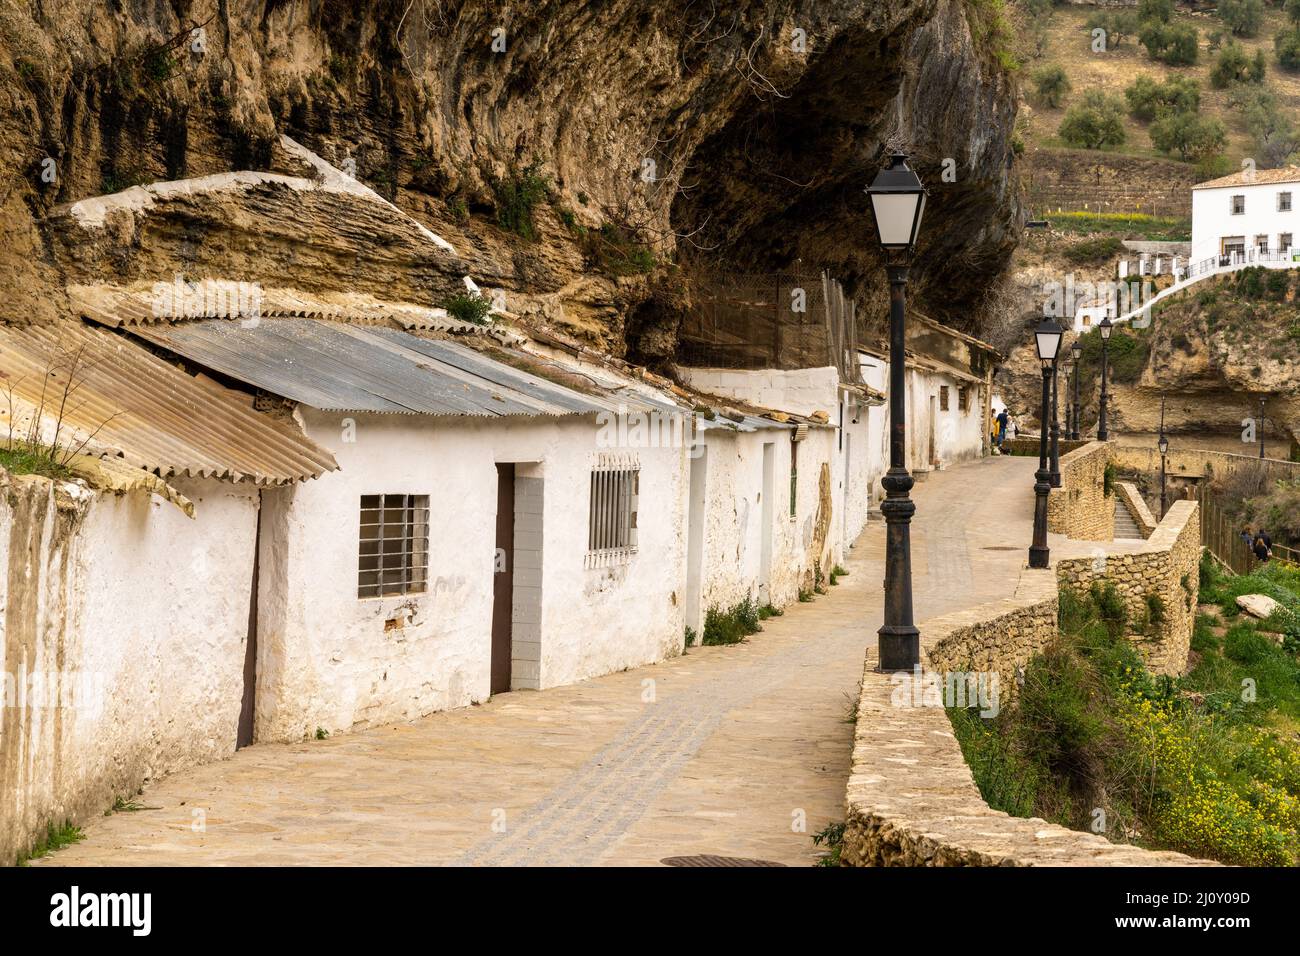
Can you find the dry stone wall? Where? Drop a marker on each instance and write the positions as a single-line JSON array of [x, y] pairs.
[[1136, 506], [1081, 508], [1159, 584], [912, 800]]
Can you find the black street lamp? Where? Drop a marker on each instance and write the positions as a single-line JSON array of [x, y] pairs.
[[897, 204], [1260, 425], [1056, 432], [1077, 351], [1105, 326], [1163, 444], [1047, 337]]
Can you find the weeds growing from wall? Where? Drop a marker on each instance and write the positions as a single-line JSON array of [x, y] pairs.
[[832, 837], [56, 838], [517, 198], [731, 626], [473, 307]]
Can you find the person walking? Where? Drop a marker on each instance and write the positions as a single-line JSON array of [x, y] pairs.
[[1266, 551], [1004, 420]]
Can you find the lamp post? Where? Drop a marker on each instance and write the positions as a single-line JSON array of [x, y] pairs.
[[1047, 337], [1163, 444], [897, 204], [1105, 326], [1260, 426], [1055, 457], [1077, 351]]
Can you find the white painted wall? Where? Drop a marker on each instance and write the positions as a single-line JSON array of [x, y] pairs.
[[799, 391], [148, 606], [1212, 217], [958, 434], [326, 657], [733, 534]]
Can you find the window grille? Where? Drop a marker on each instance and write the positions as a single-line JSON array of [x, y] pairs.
[[1238, 205], [943, 398], [1284, 241], [612, 510], [1283, 202], [394, 545], [962, 401]]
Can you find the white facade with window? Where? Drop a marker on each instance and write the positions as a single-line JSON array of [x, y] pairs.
[[1237, 218], [331, 658]]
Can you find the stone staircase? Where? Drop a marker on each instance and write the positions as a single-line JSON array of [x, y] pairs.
[[1125, 526]]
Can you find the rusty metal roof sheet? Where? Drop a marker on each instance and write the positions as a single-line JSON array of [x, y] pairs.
[[131, 404], [351, 368]]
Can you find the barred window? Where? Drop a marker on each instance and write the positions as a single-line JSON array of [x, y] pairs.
[[611, 520], [1283, 202], [962, 401], [943, 398], [394, 552], [1238, 205]]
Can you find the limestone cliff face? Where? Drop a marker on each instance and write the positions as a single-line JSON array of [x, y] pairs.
[[638, 134]]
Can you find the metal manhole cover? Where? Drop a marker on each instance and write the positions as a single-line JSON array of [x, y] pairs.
[[707, 860], [1001, 547]]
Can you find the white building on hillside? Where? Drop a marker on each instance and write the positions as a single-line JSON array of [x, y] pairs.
[[1247, 217]]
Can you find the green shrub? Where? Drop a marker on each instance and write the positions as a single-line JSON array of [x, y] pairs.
[[517, 197], [1118, 25], [1050, 85], [1287, 47], [1095, 250], [1095, 123], [1174, 44], [469, 307], [1235, 65], [1242, 17], [1181, 764], [1157, 11], [1148, 98], [732, 625], [1190, 135]]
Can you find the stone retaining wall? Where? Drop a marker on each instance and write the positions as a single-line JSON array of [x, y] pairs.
[[1000, 636], [912, 800], [1080, 508], [1167, 566], [1137, 507], [1200, 462]]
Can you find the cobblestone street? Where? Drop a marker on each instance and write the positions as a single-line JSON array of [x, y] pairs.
[[736, 751]]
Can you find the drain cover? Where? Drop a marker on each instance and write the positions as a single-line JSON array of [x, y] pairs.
[[708, 860], [1002, 547]]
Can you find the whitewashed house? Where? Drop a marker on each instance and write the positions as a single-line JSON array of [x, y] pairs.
[[127, 592], [478, 537], [1250, 216]]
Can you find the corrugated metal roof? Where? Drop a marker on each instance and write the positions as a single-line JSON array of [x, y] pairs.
[[178, 300], [351, 368], [151, 414]]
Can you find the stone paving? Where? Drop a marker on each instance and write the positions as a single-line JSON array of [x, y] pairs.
[[732, 751]]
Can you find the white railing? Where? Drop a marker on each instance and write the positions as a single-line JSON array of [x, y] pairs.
[[1220, 265]]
